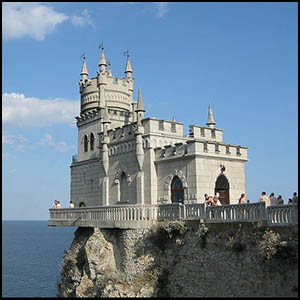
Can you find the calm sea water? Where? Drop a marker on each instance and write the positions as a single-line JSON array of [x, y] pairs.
[[31, 255]]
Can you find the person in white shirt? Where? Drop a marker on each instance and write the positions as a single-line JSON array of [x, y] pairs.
[[54, 204], [71, 204], [58, 205]]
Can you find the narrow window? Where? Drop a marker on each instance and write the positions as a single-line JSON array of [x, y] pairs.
[[92, 141], [85, 143]]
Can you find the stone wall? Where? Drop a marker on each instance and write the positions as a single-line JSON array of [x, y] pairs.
[[177, 259]]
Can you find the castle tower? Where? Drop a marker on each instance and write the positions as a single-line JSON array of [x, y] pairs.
[[210, 122]]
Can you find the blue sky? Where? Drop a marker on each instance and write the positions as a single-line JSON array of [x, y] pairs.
[[240, 57]]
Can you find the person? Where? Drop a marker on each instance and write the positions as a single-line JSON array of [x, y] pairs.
[[280, 200], [71, 204], [206, 200], [58, 205], [273, 199], [54, 204], [242, 199], [216, 201], [290, 201], [264, 198], [295, 198]]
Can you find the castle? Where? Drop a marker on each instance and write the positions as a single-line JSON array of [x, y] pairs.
[[124, 158]]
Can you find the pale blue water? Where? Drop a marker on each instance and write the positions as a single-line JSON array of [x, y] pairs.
[[31, 255]]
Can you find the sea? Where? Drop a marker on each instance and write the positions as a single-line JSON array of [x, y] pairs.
[[32, 253]]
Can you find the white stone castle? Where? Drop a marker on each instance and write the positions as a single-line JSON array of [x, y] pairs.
[[124, 158]]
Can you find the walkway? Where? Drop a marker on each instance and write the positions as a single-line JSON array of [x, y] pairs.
[[143, 216]]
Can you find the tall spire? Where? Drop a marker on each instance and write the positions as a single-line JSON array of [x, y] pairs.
[[140, 105], [210, 123], [84, 72], [128, 69], [102, 62], [106, 118]]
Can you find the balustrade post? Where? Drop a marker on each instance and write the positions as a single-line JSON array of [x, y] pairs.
[[263, 216]]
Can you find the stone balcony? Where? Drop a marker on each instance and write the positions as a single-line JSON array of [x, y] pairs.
[[143, 216]]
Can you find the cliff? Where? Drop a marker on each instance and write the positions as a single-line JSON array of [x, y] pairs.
[[182, 259]]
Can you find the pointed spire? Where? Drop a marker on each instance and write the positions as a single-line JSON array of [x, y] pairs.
[[102, 62], [128, 69], [84, 72], [109, 68], [140, 105], [106, 118], [210, 123]]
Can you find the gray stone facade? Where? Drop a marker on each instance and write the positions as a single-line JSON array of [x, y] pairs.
[[126, 158]]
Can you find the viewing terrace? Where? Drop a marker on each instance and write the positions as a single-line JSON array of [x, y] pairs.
[[143, 216]]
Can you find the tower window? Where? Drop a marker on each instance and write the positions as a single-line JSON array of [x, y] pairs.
[[85, 142], [92, 141]]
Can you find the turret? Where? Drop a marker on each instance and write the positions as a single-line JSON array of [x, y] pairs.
[[105, 140], [102, 62], [84, 73], [128, 69], [210, 123], [140, 109]]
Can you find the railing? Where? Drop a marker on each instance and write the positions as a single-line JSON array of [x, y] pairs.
[[273, 215]]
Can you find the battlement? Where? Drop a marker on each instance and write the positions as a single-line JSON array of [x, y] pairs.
[[200, 147], [153, 125], [206, 133]]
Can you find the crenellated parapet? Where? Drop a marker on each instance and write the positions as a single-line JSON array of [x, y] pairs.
[[190, 148], [206, 133], [88, 116], [153, 125]]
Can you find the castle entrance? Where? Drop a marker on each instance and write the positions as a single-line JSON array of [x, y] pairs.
[[177, 190], [222, 187]]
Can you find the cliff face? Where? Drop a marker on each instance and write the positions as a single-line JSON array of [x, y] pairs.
[[178, 259]]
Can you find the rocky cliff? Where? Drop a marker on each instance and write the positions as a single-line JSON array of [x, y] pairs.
[[179, 259]]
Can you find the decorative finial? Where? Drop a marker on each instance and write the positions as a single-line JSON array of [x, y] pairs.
[[101, 46], [83, 56], [108, 63], [210, 123], [126, 53]]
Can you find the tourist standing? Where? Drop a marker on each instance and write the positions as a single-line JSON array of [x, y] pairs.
[[290, 201], [58, 205], [273, 199], [54, 204], [280, 200], [264, 198], [71, 204], [295, 198], [242, 199]]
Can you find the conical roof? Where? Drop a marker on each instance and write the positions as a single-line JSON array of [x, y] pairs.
[[210, 121], [140, 105], [84, 68], [128, 66], [102, 58]]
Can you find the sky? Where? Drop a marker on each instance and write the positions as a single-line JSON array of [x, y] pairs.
[[242, 58]]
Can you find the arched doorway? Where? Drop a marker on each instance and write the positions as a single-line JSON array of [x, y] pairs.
[[123, 188], [177, 190], [222, 187]]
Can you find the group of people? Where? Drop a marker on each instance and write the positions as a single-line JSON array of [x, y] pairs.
[[57, 204], [212, 201], [272, 200]]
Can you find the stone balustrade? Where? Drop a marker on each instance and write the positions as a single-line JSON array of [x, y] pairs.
[[142, 216]]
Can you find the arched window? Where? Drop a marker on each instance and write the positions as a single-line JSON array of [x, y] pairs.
[[92, 141], [123, 188], [85, 142], [177, 190]]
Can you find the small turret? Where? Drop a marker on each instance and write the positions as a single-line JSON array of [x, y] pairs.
[[84, 72], [210, 123], [128, 69], [102, 62], [140, 108]]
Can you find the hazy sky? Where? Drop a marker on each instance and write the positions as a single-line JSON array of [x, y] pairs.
[[240, 57]]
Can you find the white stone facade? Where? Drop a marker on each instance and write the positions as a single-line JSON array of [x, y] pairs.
[[126, 158]]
